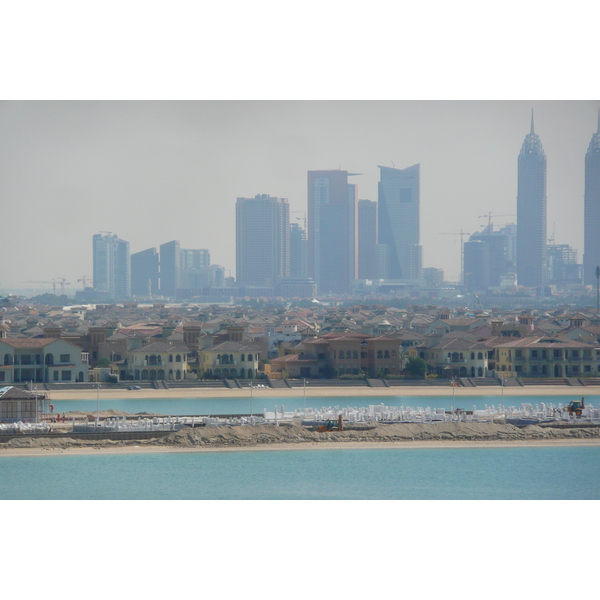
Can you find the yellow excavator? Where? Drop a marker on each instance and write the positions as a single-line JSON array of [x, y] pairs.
[[331, 426], [575, 407]]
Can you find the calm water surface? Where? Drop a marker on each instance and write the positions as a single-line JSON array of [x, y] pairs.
[[565, 473]]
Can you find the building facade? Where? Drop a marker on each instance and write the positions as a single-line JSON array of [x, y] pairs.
[[170, 268], [42, 360], [367, 240], [298, 252], [399, 221], [262, 226], [531, 212], [591, 222], [145, 273], [112, 266], [332, 231]]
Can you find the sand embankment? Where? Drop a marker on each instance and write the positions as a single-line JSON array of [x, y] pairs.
[[293, 436], [313, 390]]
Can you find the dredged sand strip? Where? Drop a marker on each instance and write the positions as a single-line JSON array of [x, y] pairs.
[[405, 445]]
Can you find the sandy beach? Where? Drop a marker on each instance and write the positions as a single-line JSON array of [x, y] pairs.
[[139, 449], [313, 389]]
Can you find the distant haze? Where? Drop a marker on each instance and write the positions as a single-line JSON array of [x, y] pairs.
[[154, 171]]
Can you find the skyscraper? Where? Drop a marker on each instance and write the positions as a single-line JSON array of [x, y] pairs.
[[145, 273], [332, 231], [112, 275], [486, 258], [367, 239], [262, 226], [531, 212], [591, 228], [170, 268], [298, 252], [399, 223]]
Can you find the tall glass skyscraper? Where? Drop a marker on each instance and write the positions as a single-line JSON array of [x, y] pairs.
[[591, 228], [112, 266], [531, 212], [262, 227], [145, 273], [332, 231], [399, 208]]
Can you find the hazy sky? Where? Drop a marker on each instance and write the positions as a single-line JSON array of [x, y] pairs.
[[155, 171]]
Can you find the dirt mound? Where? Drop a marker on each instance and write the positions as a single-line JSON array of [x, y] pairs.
[[258, 435]]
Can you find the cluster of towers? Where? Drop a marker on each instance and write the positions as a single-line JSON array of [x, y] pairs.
[[532, 255], [169, 271], [345, 239]]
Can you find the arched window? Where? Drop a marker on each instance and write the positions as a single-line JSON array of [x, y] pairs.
[[348, 354], [480, 356], [49, 360], [231, 358], [355, 354], [249, 358], [178, 358], [472, 355], [243, 358], [170, 358], [218, 357], [250, 374], [379, 354], [386, 354]]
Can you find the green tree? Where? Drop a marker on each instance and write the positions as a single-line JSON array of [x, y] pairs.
[[416, 366]]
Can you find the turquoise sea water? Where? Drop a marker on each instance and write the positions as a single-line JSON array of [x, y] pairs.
[[533, 473], [241, 405]]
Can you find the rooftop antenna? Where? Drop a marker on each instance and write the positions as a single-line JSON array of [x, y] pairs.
[[393, 165]]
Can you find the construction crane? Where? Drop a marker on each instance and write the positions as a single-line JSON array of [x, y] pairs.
[[303, 219], [61, 281], [462, 257], [85, 279], [53, 282], [489, 218]]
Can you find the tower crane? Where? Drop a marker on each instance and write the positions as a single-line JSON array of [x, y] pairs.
[[303, 219], [61, 281], [84, 279], [53, 282], [489, 218]]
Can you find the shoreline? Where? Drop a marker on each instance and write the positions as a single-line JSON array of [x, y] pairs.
[[302, 446], [319, 391]]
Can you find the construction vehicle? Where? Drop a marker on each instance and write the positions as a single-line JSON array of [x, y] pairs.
[[575, 407], [331, 425]]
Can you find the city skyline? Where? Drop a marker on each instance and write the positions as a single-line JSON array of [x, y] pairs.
[[70, 169]]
